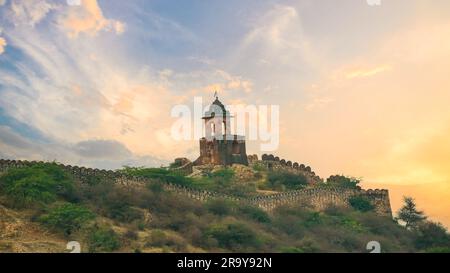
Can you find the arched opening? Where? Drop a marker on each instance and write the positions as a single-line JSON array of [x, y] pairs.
[[213, 129]]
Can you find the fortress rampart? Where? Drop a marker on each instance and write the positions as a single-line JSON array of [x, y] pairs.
[[318, 197], [272, 162]]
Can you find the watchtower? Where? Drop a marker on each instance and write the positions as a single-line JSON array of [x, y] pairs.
[[219, 146]]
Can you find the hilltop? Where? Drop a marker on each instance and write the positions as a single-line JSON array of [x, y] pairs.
[[43, 206]]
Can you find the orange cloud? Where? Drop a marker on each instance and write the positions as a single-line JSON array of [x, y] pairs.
[[2, 45], [88, 18], [363, 73]]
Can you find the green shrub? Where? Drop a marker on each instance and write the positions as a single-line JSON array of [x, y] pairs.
[[102, 239], [239, 189], [118, 206], [37, 184], [292, 249], [285, 180], [159, 238], [255, 213], [352, 225], [224, 175], [361, 203], [306, 245], [233, 236], [343, 181], [160, 174], [291, 220], [259, 167], [67, 218], [313, 219], [438, 250], [220, 207]]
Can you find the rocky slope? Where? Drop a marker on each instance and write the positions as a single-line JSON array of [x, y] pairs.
[[18, 234]]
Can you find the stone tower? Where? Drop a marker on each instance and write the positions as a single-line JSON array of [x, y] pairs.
[[219, 146]]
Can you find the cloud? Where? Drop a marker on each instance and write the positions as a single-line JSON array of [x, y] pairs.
[[103, 154], [278, 38], [10, 138], [370, 72], [109, 149], [88, 18], [30, 12], [318, 103], [207, 82], [73, 90], [273, 27], [235, 82], [2, 45]]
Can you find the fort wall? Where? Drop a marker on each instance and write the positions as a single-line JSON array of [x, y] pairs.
[[318, 197]]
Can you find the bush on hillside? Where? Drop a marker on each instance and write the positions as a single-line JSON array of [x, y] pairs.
[[220, 207], [255, 213], [159, 238], [235, 236], [117, 205], [343, 181], [103, 239], [285, 180], [432, 235], [37, 184], [67, 218], [361, 203], [160, 174], [222, 176]]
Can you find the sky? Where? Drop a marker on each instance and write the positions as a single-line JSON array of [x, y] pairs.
[[363, 90]]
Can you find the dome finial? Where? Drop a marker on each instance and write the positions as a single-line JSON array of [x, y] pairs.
[[216, 95]]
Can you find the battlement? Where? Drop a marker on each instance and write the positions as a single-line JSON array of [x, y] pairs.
[[317, 197], [272, 162]]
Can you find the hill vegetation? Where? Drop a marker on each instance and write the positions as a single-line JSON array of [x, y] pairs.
[[105, 217]]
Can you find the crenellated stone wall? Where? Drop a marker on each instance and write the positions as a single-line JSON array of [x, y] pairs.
[[272, 162], [184, 166], [318, 197]]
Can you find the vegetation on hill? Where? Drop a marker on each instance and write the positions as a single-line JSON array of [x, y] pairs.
[[343, 181], [105, 217]]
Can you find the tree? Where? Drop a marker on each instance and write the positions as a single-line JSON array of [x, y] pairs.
[[410, 215], [432, 235]]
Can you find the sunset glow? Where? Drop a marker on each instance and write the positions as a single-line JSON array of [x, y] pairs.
[[363, 90]]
